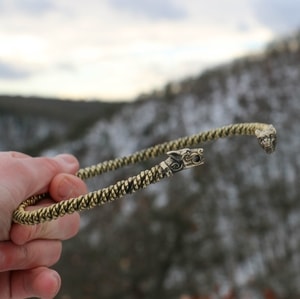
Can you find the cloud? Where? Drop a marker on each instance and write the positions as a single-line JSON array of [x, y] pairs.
[[87, 48], [280, 16], [8, 72], [34, 7], [66, 66], [152, 9]]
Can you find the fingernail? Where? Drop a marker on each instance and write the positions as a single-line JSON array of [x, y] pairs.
[[56, 277], [67, 158], [65, 189], [57, 280]]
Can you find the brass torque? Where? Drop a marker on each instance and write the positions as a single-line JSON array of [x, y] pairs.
[[179, 157]]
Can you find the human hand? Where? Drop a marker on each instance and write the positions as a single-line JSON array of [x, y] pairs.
[[26, 252]]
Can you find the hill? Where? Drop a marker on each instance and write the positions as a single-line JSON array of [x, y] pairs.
[[58, 120], [230, 227]]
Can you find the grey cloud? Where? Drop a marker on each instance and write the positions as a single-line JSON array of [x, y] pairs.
[[153, 9], [36, 6], [66, 66], [10, 72], [33, 7], [281, 16]]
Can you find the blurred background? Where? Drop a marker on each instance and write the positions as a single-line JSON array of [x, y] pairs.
[[117, 49], [103, 79]]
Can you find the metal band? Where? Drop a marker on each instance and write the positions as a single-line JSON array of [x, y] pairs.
[[179, 158]]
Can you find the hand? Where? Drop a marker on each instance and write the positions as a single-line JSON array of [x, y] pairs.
[[26, 252]]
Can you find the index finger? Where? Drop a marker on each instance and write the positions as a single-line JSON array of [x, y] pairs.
[[62, 228], [21, 178]]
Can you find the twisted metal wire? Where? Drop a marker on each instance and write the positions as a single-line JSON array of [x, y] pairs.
[[265, 133]]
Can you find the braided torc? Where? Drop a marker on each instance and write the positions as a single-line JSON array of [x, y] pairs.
[[180, 157]]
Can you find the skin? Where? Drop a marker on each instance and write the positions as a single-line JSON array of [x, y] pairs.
[[27, 252]]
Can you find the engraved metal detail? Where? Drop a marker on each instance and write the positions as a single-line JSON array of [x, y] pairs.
[[267, 139], [182, 159]]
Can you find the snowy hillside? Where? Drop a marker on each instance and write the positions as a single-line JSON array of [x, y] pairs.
[[232, 225]]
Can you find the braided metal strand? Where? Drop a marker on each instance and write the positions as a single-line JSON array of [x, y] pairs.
[[265, 133], [88, 200], [178, 159]]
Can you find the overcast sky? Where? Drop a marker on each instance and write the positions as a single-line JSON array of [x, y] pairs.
[[117, 49]]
